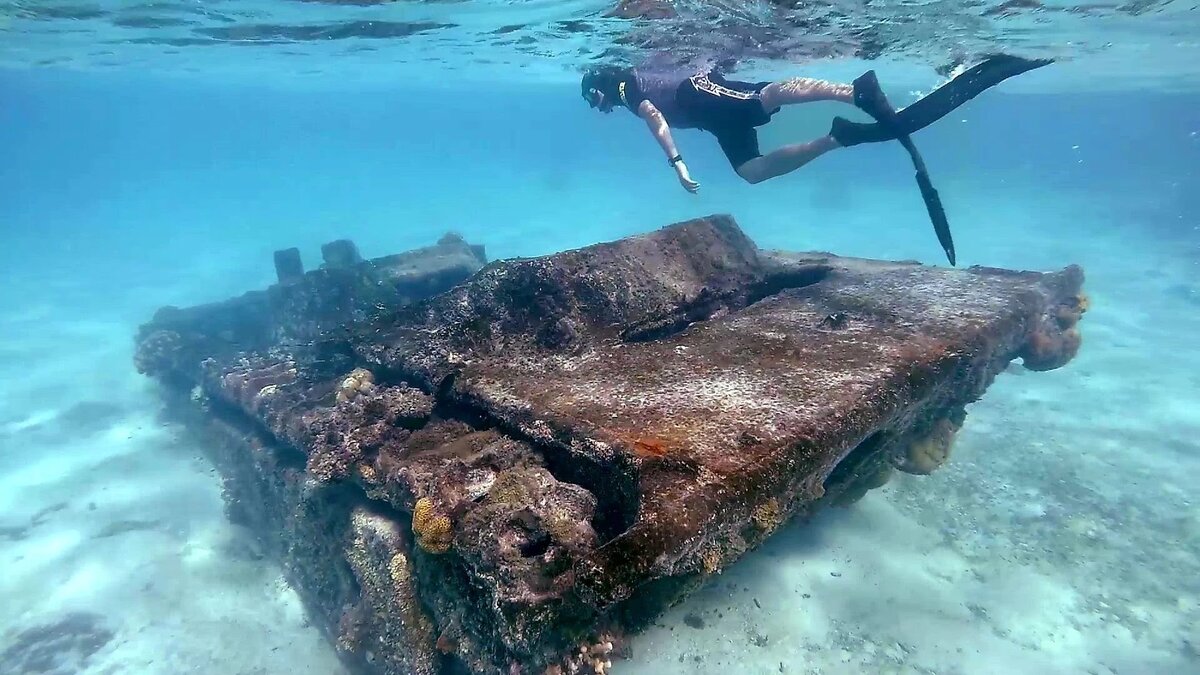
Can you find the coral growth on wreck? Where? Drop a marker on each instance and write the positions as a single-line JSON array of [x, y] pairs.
[[374, 419], [590, 659], [1054, 341], [158, 353], [925, 453], [359, 381], [433, 530]]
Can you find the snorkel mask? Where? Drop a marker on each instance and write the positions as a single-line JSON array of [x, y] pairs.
[[592, 91], [594, 97]]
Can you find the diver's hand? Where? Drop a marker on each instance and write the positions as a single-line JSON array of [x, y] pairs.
[[684, 179]]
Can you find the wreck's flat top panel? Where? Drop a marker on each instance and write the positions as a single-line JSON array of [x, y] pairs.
[[781, 370], [697, 392]]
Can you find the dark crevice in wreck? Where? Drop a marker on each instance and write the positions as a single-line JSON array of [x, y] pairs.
[[792, 279], [329, 509], [866, 451], [612, 482], [326, 358], [693, 311], [288, 456], [709, 303]]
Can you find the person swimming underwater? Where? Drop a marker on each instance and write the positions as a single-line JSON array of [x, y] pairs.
[[732, 110]]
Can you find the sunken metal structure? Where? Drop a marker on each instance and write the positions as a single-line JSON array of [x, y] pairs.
[[509, 467]]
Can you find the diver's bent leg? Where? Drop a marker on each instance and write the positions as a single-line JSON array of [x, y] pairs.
[[785, 160], [805, 90]]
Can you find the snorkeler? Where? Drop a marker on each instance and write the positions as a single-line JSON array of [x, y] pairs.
[[732, 110]]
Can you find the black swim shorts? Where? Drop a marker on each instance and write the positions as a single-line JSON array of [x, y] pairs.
[[729, 110]]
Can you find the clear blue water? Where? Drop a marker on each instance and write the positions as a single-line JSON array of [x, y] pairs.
[[135, 174]]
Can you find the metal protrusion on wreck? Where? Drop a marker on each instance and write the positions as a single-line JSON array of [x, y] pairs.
[[288, 267], [340, 253]]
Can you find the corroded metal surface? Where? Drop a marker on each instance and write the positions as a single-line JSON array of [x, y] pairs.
[[510, 474]]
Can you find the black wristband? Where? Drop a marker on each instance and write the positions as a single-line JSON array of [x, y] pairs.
[[676, 158]]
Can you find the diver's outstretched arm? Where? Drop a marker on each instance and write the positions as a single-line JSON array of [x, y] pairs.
[[662, 133]]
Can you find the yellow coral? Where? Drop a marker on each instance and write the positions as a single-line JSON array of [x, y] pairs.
[[1071, 310], [926, 455], [767, 516], [367, 472], [432, 529], [711, 560], [930, 452], [360, 380], [422, 512]]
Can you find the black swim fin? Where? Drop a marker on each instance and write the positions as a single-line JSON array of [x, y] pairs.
[[933, 203], [871, 100], [892, 125], [869, 97], [937, 104]]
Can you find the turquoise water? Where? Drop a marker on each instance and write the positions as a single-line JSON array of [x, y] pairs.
[[159, 154]]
